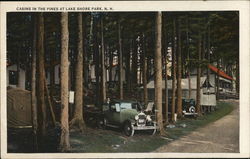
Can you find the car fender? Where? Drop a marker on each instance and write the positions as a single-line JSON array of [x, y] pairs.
[[130, 121]]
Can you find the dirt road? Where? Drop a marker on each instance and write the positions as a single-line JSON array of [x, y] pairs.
[[220, 136]]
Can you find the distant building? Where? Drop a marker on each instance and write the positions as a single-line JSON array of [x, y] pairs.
[[208, 87], [15, 77], [115, 73], [56, 74]]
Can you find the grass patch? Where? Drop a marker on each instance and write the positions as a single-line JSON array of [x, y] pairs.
[[102, 141], [223, 108]]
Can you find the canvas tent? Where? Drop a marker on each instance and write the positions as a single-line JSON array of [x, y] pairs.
[[208, 97], [18, 108]]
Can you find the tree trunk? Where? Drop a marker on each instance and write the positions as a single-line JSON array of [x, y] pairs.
[[120, 62], [188, 59], [64, 142], [110, 65], [128, 68], [166, 86], [145, 67], [41, 77], [78, 113], [237, 76], [158, 72], [103, 66], [198, 90], [173, 71], [217, 80], [203, 52], [33, 85], [179, 72], [97, 63], [50, 103], [18, 67], [208, 54], [52, 73], [134, 64]]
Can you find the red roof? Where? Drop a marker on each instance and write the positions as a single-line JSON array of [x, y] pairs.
[[219, 72]]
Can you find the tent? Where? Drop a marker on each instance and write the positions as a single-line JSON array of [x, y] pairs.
[[19, 108]]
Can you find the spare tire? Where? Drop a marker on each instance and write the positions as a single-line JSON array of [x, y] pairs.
[[191, 109]]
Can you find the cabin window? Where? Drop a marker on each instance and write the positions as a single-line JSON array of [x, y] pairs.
[[13, 79]]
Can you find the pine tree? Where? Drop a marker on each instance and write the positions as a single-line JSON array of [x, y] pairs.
[[158, 72], [41, 76], [33, 85], [173, 71], [179, 72], [64, 142], [78, 113]]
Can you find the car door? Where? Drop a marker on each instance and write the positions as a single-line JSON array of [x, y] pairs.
[[113, 117]]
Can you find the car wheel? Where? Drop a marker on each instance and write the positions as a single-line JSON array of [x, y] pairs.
[[128, 129], [101, 123], [104, 123], [153, 131], [192, 109]]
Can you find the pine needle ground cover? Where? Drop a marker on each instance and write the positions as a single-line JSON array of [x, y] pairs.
[[113, 140]]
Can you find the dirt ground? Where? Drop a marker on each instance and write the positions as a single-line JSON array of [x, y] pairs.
[[219, 136]]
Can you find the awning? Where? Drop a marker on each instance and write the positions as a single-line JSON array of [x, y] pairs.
[[219, 72]]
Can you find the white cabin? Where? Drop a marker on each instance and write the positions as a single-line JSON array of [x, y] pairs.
[[208, 96], [15, 78]]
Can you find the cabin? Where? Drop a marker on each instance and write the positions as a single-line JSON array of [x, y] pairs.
[[208, 97], [114, 71], [15, 76], [207, 86], [56, 75]]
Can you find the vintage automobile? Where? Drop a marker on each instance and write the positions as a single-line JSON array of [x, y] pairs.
[[127, 115], [188, 106]]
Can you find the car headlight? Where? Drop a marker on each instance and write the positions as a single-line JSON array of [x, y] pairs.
[[148, 118], [136, 117]]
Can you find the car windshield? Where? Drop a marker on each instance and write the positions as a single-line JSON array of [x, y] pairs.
[[128, 106]]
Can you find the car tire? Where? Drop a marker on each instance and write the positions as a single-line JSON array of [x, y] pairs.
[[153, 131], [191, 109], [102, 123], [128, 129]]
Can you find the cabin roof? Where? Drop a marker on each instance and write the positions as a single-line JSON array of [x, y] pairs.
[[219, 72]]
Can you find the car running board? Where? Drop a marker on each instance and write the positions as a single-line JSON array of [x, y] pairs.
[[113, 126]]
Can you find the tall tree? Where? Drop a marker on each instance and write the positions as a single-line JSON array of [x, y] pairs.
[[78, 113], [96, 60], [198, 95], [103, 63], [173, 71], [110, 65], [33, 85], [208, 50], [158, 72], [64, 142], [145, 67], [41, 76], [165, 63], [188, 58], [120, 62], [166, 85], [179, 71], [134, 63]]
